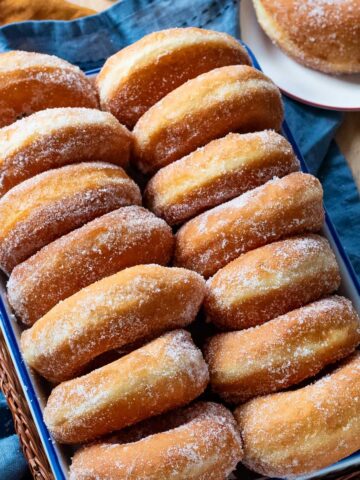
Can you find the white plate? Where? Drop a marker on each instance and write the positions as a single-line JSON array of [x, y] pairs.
[[340, 92]]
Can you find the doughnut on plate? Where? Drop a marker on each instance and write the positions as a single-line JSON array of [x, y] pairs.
[[281, 207], [136, 303], [51, 204], [166, 373], [60, 136], [30, 82], [135, 78], [271, 280], [223, 169], [293, 433], [122, 238], [295, 79], [284, 351], [200, 442], [236, 98]]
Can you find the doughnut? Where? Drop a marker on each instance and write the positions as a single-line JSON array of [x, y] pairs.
[[200, 442], [324, 35], [297, 432], [31, 81], [271, 280], [223, 169], [51, 204], [133, 304], [138, 76], [122, 238], [287, 206], [283, 351], [59, 136], [166, 373], [236, 98]]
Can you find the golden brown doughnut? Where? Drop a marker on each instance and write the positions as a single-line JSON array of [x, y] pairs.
[[31, 81], [223, 169], [228, 99], [271, 280], [51, 204], [120, 239], [324, 35], [284, 351], [200, 442], [166, 373], [135, 78], [293, 433], [286, 206], [134, 304], [60, 136]]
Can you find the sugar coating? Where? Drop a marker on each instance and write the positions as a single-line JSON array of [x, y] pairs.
[[53, 203], [54, 137], [289, 205], [50, 81], [133, 304], [283, 351], [221, 170], [323, 34], [128, 236], [310, 428], [166, 373], [213, 104], [199, 442], [138, 76], [272, 280]]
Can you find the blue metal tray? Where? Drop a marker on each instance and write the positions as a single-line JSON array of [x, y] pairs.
[[36, 390]]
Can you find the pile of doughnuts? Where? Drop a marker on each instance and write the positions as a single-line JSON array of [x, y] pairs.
[[106, 291]]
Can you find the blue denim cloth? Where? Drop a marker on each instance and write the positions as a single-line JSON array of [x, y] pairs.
[[89, 41]]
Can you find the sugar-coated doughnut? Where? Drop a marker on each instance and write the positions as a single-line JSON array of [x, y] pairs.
[[200, 442], [223, 169], [60, 136], [237, 98], [286, 206], [292, 433], [131, 305], [324, 35], [51, 204], [166, 373], [31, 81], [135, 78], [283, 351], [122, 238], [271, 280]]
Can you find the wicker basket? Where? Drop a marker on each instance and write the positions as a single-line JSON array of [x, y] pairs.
[[29, 438], [23, 422]]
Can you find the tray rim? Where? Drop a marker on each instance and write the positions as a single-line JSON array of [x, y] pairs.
[[28, 386]]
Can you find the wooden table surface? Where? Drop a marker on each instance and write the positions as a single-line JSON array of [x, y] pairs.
[[348, 136]]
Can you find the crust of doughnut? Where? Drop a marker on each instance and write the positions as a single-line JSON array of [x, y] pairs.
[[31, 81], [309, 428], [284, 351], [51, 204], [201, 443], [321, 35], [166, 373], [287, 206], [136, 303], [237, 98], [138, 76], [120, 239], [270, 281], [223, 169], [60, 136]]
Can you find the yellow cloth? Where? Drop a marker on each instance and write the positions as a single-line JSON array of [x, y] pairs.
[[20, 10]]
